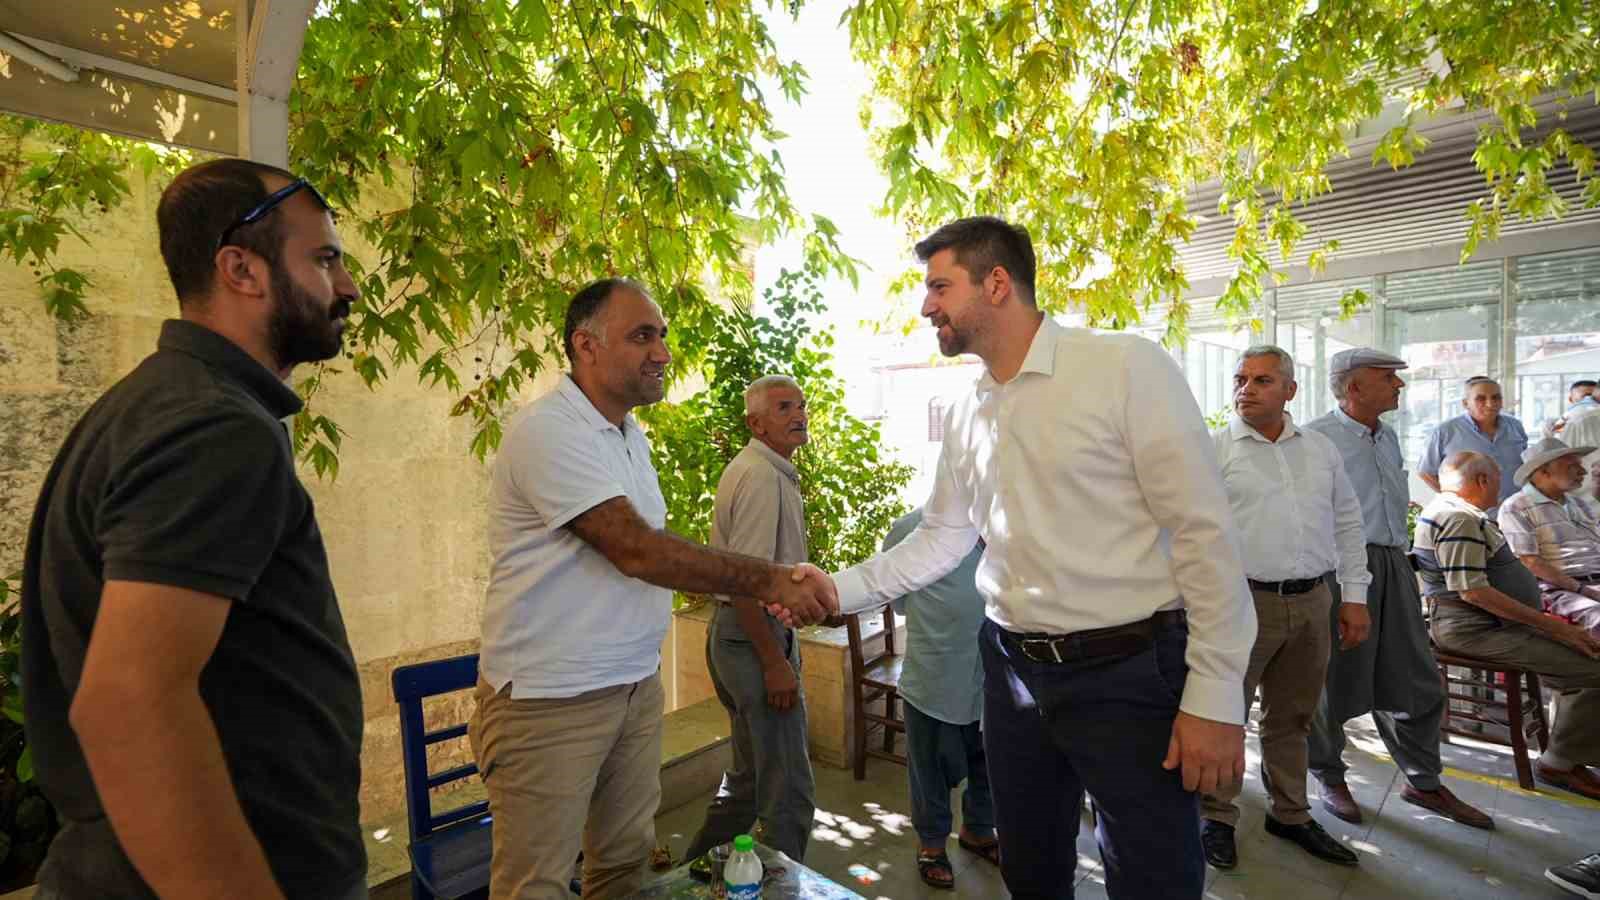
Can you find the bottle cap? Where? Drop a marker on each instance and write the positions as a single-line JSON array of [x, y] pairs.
[[744, 843]]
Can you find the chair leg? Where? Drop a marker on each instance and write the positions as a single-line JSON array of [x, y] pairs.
[[858, 739], [888, 713], [1444, 721], [1540, 718], [1519, 740]]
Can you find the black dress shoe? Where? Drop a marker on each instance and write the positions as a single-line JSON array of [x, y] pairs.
[[1217, 839], [1314, 841]]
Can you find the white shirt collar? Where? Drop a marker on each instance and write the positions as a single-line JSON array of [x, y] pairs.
[[586, 407], [1041, 358], [1239, 429]]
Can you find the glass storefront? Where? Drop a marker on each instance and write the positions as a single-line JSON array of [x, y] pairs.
[[1532, 322]]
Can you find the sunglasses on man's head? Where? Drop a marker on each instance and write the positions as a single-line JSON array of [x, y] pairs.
[[272, 202]]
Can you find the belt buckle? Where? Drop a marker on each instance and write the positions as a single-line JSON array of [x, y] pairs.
[[1055, 650]]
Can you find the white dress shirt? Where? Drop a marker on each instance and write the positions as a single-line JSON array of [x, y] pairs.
[[1298, 516], [1092, 479]]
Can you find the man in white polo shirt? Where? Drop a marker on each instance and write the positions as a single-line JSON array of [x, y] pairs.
[[567, 731], [1118, 623], [1299, 520]]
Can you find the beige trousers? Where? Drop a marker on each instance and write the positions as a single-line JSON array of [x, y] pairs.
[[568, 772], [1289, 662]]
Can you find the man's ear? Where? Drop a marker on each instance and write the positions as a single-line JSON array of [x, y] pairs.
[[583, 346], [242, 272], [1001, 286]]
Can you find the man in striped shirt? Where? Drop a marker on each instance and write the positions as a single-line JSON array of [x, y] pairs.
[[1556, 531], [1485, 604]]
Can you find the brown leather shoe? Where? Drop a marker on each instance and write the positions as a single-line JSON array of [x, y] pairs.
[[1448, 805], [1336, 799], [1577, 779]]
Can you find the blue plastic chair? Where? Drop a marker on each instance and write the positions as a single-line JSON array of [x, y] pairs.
[[450, 849]]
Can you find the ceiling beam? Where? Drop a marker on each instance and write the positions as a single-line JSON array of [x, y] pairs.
[[83, 60], [270, 36]]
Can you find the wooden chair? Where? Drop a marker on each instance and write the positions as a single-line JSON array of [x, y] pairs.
[[1494, 686], [875, 675], [449, 849]]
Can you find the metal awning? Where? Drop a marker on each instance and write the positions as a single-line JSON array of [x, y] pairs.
[[1414, 218], [213, 75]]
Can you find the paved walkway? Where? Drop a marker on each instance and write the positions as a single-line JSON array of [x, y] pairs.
[[864, 838]]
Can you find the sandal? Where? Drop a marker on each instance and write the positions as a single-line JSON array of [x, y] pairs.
[[932, 862], [989, 851]]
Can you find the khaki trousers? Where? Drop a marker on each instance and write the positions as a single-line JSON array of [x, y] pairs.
[[570, 771], [1289, 662], [1575, 731]]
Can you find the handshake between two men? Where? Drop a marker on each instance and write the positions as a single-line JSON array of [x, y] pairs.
[[808, 598]]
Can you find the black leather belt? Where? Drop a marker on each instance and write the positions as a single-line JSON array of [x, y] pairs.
[[1096, 643], [1287, 588]]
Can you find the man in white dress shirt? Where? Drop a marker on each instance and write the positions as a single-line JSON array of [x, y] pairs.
[[1299, 520], [1118, 620]]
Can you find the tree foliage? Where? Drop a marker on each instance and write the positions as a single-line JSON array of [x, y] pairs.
[[851, 489], [53, 178], [1090, 121], [500, 154]]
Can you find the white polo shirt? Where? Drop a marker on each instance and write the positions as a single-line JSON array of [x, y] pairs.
[[559, 619]]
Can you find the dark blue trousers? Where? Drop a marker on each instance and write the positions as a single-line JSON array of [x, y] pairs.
[[1053, 731], [939, 757]]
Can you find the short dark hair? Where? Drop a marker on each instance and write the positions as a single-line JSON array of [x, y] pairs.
[[1583, 383], [1481, 379], [983, 242], [199, 205], [588, 302]]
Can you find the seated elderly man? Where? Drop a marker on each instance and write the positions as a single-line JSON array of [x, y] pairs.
[[1485, 604], [1556, 531]]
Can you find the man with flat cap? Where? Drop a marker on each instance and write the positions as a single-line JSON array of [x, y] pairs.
[[1392, 673], [1555, 531]]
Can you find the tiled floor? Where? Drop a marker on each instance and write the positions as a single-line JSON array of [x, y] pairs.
[[864, 839]]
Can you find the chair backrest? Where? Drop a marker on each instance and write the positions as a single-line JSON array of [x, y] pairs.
[[865, 652], [412, 685]]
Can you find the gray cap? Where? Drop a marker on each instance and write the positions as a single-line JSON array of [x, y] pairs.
[[1543, 453], [1361, 358]]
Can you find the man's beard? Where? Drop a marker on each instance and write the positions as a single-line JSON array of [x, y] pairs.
[[645, 391], [300, 330], [958, 341]]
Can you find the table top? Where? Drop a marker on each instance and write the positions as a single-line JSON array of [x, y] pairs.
[[785, 879]]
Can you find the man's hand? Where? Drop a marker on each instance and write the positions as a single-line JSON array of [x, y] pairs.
[[1354, 624], [1575, 636], [1211, 753], [783, 688], [806, 597]]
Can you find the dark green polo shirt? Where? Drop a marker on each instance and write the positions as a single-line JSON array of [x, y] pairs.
[[182, 474]]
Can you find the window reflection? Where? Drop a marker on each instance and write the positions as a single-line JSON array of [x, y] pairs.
[[1557, 322]]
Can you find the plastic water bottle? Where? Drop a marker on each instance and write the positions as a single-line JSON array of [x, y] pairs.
[[743, 873]]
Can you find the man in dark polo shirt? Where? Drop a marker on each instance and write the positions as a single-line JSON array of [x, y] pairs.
[[191, 698]]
